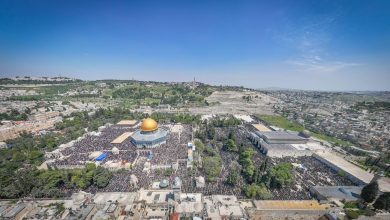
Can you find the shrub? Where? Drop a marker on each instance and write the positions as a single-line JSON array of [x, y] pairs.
[[352, 214]]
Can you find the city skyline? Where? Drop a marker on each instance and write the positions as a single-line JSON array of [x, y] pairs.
[[328, 45]]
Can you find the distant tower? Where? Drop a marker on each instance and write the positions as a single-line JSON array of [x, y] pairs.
[[194, 83]]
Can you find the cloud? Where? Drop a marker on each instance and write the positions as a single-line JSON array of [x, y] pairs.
[[308, 39], [310, 36], [318, 65]]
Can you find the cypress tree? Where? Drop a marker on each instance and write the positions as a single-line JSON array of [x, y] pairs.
[[383, 202], [370, 191]]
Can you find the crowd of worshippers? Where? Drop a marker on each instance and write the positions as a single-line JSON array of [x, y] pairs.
[[101, 141], [174, 150], [308, 173], [315, 174], [78, 154], [121, 180], [311, 173], [219, 186], [169, 152]]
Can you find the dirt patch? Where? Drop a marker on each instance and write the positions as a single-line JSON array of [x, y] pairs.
[[234, 102]]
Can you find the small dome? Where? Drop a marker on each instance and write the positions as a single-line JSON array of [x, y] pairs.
[[164, 183], [305, 134], [115, 150], [149, 124], [133, 179]]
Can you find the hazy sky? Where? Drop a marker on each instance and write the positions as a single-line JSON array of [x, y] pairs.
[[325, 45]]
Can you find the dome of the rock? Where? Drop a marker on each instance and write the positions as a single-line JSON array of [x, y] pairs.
[[149, 124], [149, 135]]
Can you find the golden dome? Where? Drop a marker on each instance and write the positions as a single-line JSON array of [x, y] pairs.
[[149, 124]]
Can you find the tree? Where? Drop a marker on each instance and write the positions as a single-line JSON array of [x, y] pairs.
[[232, 136], [231, 145], [101, 181], [232, 178], [249, 170], [199, 145], [23, 117], [370, 192], [90, 167], [35, 155], [263, 193], [102, 177], [27, 111], [251, 191], [383, 202], [264, 165], [258, 176], [82, 183], [259, 191], [247, 163], [18, 157], [245, 154], [10, 192], [212, 167], [352, 214], [89, 178], [341, 173], [168, 172], [210, 132], [281, 175]]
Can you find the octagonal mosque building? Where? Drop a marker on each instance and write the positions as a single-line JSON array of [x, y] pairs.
[[149, 135]]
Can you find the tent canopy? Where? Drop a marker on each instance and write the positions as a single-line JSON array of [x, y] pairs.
[[101, 157]]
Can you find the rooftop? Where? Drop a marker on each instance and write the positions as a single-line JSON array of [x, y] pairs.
[[82, 213], [3, 209], [155, 196], [284, 147], [352, 169], [289, 205], [111, 208], [127, 122], [121, 197], [261, 127], [222, 205], [339, 192], [189, 203], [281, 135], [121, 138], [14, 211]]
